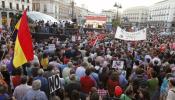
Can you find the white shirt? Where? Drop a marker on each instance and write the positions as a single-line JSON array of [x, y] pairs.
[[20, 91], [80, 71], [66, 72], [35, 60], [171, 94]]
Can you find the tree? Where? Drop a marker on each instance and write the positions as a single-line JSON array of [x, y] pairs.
[[115, 23]]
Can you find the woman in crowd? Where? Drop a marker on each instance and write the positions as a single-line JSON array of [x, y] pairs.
[[112, 82]]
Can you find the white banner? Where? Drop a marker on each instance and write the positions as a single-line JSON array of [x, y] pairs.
[[130, 36]]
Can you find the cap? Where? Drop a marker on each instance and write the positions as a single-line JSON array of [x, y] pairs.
[[118, 91]]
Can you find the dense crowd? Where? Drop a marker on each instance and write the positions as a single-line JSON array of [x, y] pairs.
[[89, 72], [40, 26]]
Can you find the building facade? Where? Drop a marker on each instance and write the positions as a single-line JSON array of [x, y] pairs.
[[65, 9], [80, 13], [110, 14], [95, 21], [8, 8], [162, 16], [59, 9], [49, 7], [135, 16]]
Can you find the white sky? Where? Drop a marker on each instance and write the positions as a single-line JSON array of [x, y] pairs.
[[97, 5]]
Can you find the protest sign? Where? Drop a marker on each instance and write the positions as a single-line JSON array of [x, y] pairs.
[[54, 83], [51, 47], [74, 38], [130, 36], [118, 64]]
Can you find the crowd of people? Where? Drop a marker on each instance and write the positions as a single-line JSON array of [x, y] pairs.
[[50, 27], [87, 72]]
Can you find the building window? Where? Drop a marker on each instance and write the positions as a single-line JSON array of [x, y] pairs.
[[28, 1], [4, 18], [36, 7], [11, 5], [3, 4], [11, 15], [22, 7], [17, 6]]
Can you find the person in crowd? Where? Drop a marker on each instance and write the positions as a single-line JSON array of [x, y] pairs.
[[16, 78], [144, 95], [122, 79], [49, 72], [171, 91], [101, 91], [80, 71], [6, 75], [164, 87], [73, 85], [104, 76], [21, 90], [128, 94], [55, 62], [118, 91], [94, 96], [45, 61], [94, 76], [3, 93], [75, 95], [153, 86], [86, 82], [112, 82], [66, 71], [35, 93], [68, 78], [44, 81], [139, 80]]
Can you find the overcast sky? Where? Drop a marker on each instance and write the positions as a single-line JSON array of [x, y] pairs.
[[98, 5]]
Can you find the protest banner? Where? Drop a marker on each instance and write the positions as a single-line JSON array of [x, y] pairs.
[[130, 36], [54, 83], [118, 64]]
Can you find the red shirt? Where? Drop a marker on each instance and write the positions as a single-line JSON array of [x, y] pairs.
[[111, 86], [16, 80], [66, 60], [86, 84]]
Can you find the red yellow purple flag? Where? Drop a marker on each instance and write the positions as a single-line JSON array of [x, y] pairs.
[[23, 51]]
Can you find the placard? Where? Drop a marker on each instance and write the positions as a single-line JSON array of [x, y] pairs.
[[51, 47], [74, 38], [54, 83], [118, 64]]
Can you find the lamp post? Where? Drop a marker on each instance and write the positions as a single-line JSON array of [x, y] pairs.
[[72, 4], [118, 6]]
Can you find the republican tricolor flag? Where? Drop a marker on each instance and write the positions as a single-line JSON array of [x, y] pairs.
[[23, 51]]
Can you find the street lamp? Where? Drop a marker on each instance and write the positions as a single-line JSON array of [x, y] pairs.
[[72, 6], [118, 6]]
